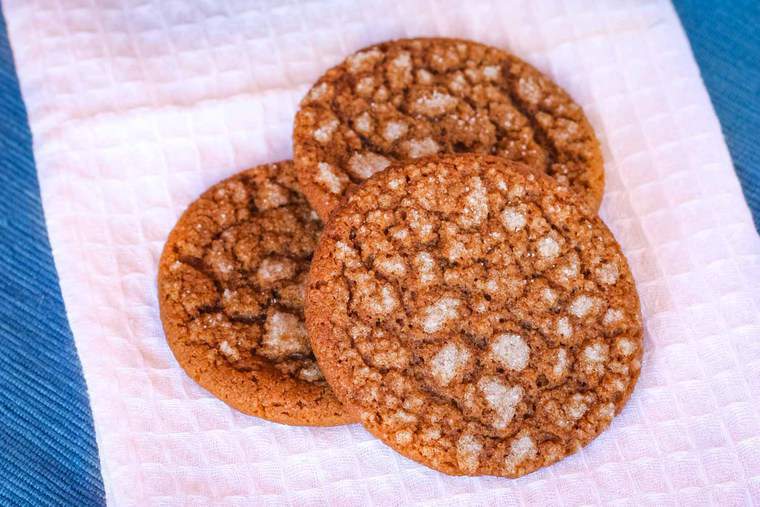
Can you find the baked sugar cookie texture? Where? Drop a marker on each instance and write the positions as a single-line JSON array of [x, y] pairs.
[[476, 315], [231, 285], [412, 98]]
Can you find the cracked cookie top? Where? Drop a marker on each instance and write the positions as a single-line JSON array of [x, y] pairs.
[[231, 286], [476, 316], [412, 98]]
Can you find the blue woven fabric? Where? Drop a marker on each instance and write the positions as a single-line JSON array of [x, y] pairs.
[[725, 38], [48, 454]]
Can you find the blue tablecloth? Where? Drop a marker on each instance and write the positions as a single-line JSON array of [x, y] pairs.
[[48, 454]]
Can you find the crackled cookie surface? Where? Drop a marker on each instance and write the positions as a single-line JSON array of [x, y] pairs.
[[411, 98], [231, 284], [474, 315]]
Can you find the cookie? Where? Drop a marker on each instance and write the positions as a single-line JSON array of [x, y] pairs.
[[231, 284], [411, 98], [477, 317]]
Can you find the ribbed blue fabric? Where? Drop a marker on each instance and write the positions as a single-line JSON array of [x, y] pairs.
[[48, 454], [725, 38]]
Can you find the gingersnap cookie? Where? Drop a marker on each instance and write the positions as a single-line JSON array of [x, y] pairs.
[[231, 284], [411, 98], [474, 314]]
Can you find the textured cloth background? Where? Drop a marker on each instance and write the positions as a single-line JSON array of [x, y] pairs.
[[136, 107], [48, 454]]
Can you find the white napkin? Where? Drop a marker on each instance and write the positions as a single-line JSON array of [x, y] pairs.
[[136, 106]]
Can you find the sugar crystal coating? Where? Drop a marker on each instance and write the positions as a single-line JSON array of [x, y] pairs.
[[447, 362], [285, 336], [475, 204], [395, 130], [231, 292], [607, 273], [513, 219], [414, 98], [229, 351], [468, 452], [364, 165], [564, 328], [434, 104], [511, 351], [612, 316], [329, 178], [436, 315], [548, 247], [492, 358], [273, 270], [325, 131], [522, 448], [501, 398], [581, 306], [416, 148], [560, 366]]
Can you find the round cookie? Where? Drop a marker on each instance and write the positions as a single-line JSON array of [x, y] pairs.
[[231, 281], [411, 98], [474, 314]]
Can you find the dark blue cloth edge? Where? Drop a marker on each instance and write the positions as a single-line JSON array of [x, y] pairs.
[[48, 453]]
